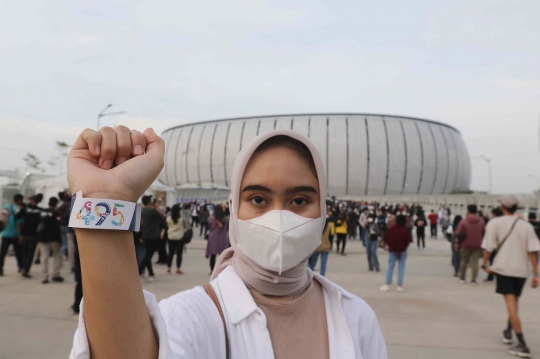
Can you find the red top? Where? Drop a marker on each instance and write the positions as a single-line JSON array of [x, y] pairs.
[[433, 218], [398, 238]]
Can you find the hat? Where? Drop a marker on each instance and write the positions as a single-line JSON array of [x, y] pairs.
[[508, 201]]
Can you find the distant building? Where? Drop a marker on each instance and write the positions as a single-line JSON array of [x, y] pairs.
[[363, 154]]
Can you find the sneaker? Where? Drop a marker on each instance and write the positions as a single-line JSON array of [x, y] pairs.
[[474, 282], [520, 350], [400, 289], [462, 281], [26, 275], [57, 279], [507, 337], [168, 270], [151, 278], [37, 261], [179, 272], [384, 288], [371, 269], [44, 281], [378, 270]]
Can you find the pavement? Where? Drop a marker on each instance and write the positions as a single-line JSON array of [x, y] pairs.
[[436, 317]]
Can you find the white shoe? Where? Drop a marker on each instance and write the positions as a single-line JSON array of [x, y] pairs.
[[400, 289], [462, 282], [385, 288], [151, 278]]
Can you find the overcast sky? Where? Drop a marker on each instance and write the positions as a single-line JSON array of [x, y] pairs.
[[471, 64]]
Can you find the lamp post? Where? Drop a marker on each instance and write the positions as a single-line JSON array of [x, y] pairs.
[[103, 114], [490, 172]]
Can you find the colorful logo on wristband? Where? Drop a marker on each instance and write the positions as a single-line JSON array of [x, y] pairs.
[[102, 210], [87, 207], [102, 215], [115, 213]]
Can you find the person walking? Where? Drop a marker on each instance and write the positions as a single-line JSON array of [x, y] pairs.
[[450, 233], [218, 238], [50, 242], [433, 221], [151, 221], [176, 229], [194, 215], [515, 243], [67, 233], [398, 239], [382, 222], [362, 222], [372, 244], [203, 220], [495, 213], [12, 221], [332, 226], [420, 225], [470, 233], [323, 250], [31, 215], [341, 232]]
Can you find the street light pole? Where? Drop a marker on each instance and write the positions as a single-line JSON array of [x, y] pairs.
[[490, 172], [103, 114]]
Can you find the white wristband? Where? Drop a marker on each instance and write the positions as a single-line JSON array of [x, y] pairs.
[[95, 213]]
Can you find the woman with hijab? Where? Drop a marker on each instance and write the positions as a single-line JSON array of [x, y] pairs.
[[218, 238], [272, 305]]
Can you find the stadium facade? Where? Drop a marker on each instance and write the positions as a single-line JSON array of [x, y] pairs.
[[364, 154]]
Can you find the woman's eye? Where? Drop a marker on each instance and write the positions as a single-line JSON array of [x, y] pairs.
[[299, 201], [257, 200]]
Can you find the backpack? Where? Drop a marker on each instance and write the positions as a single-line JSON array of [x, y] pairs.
[[381, 222]]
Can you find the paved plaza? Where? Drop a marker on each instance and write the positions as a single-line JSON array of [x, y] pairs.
[[436, 317]]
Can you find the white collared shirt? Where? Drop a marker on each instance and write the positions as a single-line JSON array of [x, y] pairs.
[[189, 326]]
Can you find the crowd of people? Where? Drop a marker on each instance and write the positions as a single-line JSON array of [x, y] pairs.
[[38, 234]]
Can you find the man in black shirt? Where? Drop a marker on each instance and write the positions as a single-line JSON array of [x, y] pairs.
[[151, 221], [50, 240], [31, 214]]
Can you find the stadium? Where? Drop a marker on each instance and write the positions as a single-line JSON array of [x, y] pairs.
[[364, 154]]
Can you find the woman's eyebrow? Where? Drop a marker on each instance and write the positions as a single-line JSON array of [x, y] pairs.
[[304, 188], [257, 187]]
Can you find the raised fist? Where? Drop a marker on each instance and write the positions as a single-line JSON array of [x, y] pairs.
[[115, 163]]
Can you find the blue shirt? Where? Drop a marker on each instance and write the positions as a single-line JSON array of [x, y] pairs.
[[11, 228]]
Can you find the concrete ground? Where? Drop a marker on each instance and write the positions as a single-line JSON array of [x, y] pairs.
[[436, 317]]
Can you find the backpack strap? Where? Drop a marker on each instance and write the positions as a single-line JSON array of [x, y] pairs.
[[213, 296]]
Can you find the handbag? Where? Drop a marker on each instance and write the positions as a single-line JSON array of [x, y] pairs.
[[188, 233], [496, 250], [212, 295]]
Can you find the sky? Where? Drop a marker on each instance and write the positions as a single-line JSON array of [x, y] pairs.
[[470, 64]]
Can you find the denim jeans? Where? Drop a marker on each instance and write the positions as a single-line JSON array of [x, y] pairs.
[[313, 261], [363, 235], [373, 260], [392, 258]]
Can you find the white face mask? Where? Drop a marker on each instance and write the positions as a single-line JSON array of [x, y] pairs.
[[279, 240]]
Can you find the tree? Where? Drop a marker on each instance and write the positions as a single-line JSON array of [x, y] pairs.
[[60, 160], [33, 162]]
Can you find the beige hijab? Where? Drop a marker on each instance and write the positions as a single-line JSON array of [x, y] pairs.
[[292, 281]]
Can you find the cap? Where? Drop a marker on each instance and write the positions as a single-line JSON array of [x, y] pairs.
[[508, 201]]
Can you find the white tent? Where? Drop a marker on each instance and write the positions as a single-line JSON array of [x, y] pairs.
[[50, 187]]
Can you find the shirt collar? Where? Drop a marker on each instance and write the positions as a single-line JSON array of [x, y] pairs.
[[237, 299], [239, 304]]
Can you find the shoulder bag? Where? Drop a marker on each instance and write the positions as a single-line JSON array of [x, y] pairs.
[[496, 251], [213, 296]]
